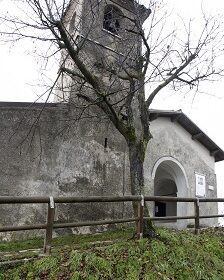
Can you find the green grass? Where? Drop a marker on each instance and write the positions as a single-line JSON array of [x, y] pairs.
[[20, 245], [182, 255], [65, 240]]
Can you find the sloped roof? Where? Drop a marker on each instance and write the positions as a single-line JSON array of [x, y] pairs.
[[192, 128]]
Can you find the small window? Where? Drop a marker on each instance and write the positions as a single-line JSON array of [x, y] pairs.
[[112, 19]]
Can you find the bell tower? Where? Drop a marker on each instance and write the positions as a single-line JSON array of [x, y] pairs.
[[105, 34]]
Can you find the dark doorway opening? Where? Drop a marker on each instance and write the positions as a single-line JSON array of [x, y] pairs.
[[160, 209], [165, 187]]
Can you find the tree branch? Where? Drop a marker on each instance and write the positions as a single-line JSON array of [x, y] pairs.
[[170, 79]]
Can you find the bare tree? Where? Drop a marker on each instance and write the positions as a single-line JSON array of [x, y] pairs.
[[110, 74]]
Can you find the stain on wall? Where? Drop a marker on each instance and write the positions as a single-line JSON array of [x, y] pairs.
[[58, 156]]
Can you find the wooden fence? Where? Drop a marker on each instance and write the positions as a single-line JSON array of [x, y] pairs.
[[52, 201]]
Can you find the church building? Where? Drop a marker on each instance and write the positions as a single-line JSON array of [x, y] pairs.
[[52, 150]]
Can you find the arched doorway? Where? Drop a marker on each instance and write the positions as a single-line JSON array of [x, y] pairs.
[[169, 180]]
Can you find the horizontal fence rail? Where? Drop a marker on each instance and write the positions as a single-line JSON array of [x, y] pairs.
[[52, 201], [37, 199]]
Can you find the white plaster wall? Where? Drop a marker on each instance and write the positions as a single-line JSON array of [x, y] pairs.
[[165, 125], [170, 140]]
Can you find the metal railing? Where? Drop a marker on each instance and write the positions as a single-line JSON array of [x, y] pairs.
[[51, 201]]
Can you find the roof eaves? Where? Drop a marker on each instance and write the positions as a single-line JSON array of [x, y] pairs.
[[192, 128]]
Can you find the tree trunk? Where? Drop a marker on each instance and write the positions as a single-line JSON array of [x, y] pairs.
[[136, 159]]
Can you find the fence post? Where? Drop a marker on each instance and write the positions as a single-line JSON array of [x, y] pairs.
[[49, 228], [141, 217], [197, 216]]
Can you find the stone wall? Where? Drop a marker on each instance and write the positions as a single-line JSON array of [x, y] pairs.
[[59, 156], [52, 152]]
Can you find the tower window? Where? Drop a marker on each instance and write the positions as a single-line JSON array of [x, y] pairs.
[[112, 19]]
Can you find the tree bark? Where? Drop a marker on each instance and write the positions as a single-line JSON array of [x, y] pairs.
[[136, 159]]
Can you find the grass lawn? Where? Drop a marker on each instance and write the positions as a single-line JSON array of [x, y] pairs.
[[181, 255]]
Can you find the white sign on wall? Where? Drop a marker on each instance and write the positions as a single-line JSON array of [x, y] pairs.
[[200, 185]]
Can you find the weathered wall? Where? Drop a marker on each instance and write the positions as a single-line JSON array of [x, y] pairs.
[[61, 156], [171, 140], [102, 51]]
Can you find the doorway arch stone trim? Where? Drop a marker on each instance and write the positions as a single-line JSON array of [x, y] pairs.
[[177, 173], [172, 159]]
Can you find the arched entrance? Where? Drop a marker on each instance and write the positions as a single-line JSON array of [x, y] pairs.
[[169, 180]]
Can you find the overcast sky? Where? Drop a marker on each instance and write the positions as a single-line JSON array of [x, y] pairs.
[[206, 110], [19, 76]]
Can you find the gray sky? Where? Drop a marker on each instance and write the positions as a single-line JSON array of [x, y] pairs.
[[19, 76]]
